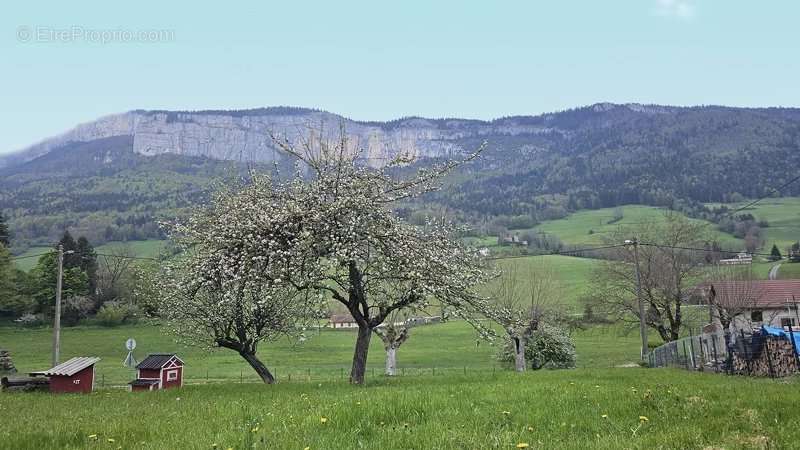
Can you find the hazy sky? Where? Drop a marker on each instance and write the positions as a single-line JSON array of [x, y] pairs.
[[382, 60]]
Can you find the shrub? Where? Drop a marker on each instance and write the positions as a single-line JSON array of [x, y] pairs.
[[30, 320], [549, 347], [113, 314], [75, 309]]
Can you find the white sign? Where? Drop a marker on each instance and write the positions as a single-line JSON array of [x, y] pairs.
[[130, 344]]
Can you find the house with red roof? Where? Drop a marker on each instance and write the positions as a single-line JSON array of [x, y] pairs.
[[772, 303]]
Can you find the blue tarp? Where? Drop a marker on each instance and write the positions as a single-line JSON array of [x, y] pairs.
[[774, 331]]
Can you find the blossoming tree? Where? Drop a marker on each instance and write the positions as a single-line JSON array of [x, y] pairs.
[[368, 259]]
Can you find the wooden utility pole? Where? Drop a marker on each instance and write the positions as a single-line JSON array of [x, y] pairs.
[[57, 319], [642, 324]]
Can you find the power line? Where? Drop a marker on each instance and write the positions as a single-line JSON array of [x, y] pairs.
[[773, 190], [559, 252], [677, 247], [98, 254]]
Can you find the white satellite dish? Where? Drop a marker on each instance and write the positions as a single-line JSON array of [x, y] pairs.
[[130, 344]]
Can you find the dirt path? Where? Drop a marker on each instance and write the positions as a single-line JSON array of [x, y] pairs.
[[773, 271]]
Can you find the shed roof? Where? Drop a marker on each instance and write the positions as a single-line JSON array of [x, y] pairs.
[[157, 360], [71, 367]]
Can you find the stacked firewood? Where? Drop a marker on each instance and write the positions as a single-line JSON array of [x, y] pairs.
[[776, 359], [6, 365], [25, 384]]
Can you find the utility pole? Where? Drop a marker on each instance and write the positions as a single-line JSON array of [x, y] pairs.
[[57, 319], [642, 325]]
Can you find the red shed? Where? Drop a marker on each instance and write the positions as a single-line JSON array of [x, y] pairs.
[[75, 375], [158, 371]]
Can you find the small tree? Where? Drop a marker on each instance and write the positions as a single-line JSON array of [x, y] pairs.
[[775, 254], [523, 300], [668, 271], [393, 334], [229, 288], [5, 236], [549, 346]]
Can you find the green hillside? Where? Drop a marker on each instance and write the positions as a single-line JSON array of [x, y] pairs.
[[589, 227], [783, 215], [146, 249]]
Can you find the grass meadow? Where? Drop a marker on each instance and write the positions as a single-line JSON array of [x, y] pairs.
[[783, 215], [590, 227], [630, 408]]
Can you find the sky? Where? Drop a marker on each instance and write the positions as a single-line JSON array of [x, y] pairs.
[[65, 63]]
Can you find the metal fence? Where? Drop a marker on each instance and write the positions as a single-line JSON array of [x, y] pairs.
[[755, 354]]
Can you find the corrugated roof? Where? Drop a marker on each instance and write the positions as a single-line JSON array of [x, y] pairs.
[[764, 293], [157, 360], [71, 367]]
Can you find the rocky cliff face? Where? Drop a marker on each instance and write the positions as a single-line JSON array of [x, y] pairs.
[[245, 135]]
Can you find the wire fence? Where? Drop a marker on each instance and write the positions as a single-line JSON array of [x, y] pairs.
[[754, 353]]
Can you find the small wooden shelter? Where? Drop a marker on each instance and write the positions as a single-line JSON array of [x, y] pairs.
[[158, 371], [74, 375]]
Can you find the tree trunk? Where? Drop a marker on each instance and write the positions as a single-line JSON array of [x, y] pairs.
[[391, 360], [360, 355], [519, 353], [258, 366]]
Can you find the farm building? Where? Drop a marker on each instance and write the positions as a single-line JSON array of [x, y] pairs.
[[342, 321], [770, 303], [158, 371], [74, 375]]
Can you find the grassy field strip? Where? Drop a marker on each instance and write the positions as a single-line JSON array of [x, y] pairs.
[[568, 409], [449, 347]]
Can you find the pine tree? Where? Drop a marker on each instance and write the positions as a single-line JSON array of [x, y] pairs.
[[775, 255], [5, 237], [88, 262]]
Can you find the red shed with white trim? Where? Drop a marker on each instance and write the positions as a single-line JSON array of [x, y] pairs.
[[158, 371], [74, 375]]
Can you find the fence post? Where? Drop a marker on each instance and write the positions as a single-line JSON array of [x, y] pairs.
[[685, 355], [747, 356], [794, 347], [714, 348], [691, 349]]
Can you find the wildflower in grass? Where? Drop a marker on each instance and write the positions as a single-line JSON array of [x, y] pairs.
[[93, 437], [523, 445], [604, 416], [323, 420], [643, 419], [254, 430], [530, 428], [111, 440], [506, 413]]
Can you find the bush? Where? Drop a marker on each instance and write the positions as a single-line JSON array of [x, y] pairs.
[[114, 314], [31, 320], [549, 347], [75, 309]]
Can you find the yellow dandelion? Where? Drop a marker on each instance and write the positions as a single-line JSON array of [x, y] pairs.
[[307, 448], [358, 403], [506, 412], [111, 440], [92, 436], [523, 445], [530, 428], [604, 416], [323, 420], [254, 430], [643, 419], [382, 423]]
